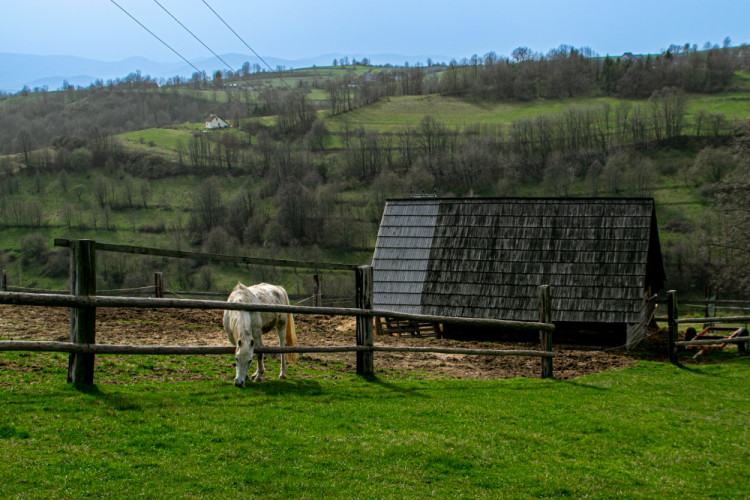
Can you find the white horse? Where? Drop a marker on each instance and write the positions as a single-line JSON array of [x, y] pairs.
[[245, 329]]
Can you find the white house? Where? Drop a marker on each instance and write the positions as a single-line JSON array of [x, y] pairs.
[[214, 121]]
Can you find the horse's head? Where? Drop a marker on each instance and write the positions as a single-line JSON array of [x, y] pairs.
[[243, 354]]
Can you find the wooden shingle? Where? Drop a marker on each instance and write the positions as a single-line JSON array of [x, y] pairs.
[[486, 257]]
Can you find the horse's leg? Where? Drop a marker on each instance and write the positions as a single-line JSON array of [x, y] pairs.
[[258, 375], [281, 331]]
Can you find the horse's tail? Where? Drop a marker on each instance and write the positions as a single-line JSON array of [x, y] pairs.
[[291, 337]]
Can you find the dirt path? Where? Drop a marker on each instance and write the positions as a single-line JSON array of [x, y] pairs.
[[196, 327]]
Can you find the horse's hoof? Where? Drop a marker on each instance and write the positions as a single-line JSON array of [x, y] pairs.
[[282, 376]]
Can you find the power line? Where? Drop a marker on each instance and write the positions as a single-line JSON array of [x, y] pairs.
[[154, 35], [202, 43], [193, 34], [173, 50], [208, 48], [244, 42]]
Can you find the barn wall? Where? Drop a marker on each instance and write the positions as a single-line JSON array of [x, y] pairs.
[[584, 334]]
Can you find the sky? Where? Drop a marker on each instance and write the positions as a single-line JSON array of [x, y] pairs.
[[295, 29]]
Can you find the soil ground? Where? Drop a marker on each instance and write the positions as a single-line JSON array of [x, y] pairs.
[[199, 327]]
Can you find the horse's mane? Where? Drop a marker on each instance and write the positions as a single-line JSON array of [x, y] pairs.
[[240, 293]]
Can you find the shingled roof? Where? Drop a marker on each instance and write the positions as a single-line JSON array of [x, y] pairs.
[[485, 258]]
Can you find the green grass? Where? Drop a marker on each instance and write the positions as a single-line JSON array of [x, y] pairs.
[[741, 80], [389, 114], [651, 431], [456, 112], [165, 138], [731, 105]]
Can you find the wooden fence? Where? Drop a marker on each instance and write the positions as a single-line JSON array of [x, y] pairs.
[[83, 302], [673, 322], [159, 290]]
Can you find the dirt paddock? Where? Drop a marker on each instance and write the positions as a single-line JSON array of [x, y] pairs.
[[199, 327]]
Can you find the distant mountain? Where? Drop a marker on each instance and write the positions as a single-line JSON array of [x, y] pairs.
[[18, 70]]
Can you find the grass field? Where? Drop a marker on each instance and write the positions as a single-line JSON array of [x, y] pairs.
[[456, 112], [650, 431], [171, 139]]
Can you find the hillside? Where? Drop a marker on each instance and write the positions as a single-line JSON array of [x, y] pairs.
[[313, 154]]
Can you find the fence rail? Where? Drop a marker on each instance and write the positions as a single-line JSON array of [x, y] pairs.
[[718, 319], [673, 322], [45, 346], [205, 257], [83, 301], [153, 291], [733, 340], [55, 300]]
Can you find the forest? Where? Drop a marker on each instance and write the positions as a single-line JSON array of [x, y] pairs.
[[312, 154]]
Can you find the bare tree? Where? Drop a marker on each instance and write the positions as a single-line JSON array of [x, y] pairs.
[[612, 173], [67, 214], [145, 190], [208, 210], [128, 190], [25, 143], [712, 165], [640, 176], [558, 176], [317, 134], [103, 190], [294, 203], [668, 107], [240, 212]]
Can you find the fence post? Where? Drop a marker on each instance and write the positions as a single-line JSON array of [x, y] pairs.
[[364, 323], [3, 281], [82, 319], [317, 291], [158, 285], [545, 336], [672, 325]]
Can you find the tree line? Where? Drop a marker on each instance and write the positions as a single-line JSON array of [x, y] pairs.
[[561, 73], [137, 101]]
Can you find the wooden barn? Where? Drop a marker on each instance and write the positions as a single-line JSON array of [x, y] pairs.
[[486, 257]]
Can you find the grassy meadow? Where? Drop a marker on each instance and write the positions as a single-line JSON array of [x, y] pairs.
[[454, 112], [457, 112], [650, 431]]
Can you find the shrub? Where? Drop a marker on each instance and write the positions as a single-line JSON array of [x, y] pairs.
[[81, 159], [58, 264], [156, 227], [34, 248], [205, 278], [218, 241]]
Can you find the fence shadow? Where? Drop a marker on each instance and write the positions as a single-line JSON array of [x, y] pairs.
[[298, 387], [697, 369], [392, 387], [115, 401]]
